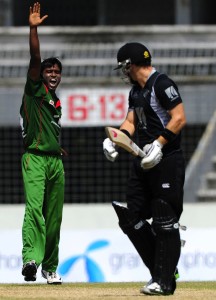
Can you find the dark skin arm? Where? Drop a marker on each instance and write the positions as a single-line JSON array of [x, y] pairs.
[[35, 61]]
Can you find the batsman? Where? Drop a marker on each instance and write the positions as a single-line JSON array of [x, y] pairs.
[[154, 193]]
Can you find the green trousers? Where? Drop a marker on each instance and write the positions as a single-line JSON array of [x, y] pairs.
[[44, 182]]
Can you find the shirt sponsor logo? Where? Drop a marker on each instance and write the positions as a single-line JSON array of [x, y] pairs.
[[171, 93]]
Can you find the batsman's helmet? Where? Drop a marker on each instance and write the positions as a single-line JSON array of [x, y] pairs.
[[133, 53]]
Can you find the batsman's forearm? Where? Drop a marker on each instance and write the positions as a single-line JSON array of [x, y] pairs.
[[129, 123], [128, 127]]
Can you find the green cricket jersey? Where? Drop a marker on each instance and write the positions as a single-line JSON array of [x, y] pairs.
[[40, 118]]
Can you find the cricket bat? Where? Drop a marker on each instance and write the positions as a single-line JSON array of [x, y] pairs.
[[123, 141]]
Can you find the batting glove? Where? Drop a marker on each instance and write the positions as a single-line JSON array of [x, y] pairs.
[[153, 155], [109, 150]]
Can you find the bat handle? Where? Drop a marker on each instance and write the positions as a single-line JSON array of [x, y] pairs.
[[137, 150], [141, 153]]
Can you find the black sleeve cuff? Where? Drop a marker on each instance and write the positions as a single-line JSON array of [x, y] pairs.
[[168, 135]]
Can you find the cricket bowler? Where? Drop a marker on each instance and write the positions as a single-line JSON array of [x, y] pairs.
[[42, 167]]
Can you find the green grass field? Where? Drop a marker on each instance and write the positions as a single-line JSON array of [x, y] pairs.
[[104, 291]]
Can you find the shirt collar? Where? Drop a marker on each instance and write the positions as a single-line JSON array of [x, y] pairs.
[[152, 72]]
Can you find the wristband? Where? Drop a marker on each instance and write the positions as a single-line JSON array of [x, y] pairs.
[[126, 132], [168, 135]]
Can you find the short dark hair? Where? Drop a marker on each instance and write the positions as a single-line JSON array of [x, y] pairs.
[[49, 62]]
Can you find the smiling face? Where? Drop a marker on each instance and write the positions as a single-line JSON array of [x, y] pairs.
[[52, 76]]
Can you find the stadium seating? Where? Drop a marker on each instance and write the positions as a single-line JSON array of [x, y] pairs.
[[183, 61], [88, 55]]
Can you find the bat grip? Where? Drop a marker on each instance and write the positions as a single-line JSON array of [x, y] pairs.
[[141, 153]]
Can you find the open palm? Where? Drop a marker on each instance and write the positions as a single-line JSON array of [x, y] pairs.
[[34, 15]]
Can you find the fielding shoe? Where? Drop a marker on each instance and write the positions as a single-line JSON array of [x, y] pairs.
[[51, 277], [29, 271], [154, 289]]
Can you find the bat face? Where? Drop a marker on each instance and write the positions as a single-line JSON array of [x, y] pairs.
[[123, 141], [116, 135]]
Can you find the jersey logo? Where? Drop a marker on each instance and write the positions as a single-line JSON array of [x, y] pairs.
[[165, 185], [58, 103], [171, 93], [51, 102]]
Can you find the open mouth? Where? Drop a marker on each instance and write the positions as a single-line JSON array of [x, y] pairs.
[[53, 83]]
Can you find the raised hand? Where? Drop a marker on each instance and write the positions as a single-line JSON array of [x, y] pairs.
[[34, 15]]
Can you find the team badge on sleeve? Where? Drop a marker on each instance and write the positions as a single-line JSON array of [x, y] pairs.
[[171, 93]]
